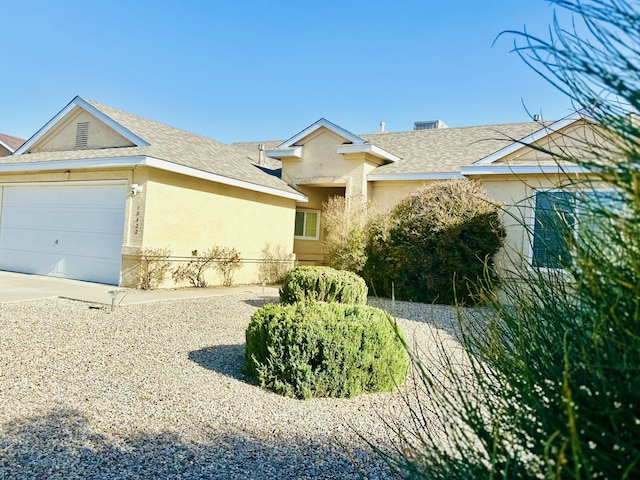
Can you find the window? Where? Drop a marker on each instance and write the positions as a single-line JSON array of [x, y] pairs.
[[307, 225], [554, 222], [557, 218]]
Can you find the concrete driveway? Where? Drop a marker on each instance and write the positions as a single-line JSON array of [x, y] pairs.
[[17, 287]]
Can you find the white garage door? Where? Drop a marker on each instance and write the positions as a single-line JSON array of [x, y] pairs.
[[72, 231]]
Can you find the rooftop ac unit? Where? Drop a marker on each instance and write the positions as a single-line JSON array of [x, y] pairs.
[[429, 125]]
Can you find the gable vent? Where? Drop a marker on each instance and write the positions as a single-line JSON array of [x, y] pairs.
[[82, 135]]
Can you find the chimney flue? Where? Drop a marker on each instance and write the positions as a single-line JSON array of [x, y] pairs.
[[382, 125], [261, 161]]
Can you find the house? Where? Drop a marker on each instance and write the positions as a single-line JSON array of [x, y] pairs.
[[96, 185], [384, 167]]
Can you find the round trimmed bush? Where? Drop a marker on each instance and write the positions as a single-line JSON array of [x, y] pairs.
[[324, 350], [323, 284]]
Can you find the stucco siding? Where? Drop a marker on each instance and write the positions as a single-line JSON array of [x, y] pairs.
[[186, 214], [388, 194], [322, 165]]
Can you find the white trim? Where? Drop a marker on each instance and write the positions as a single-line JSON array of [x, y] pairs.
[[285, 152], [96, 163], [522, 170], [376, 177], [532, 138], [102, 162], [7, 146], [81, 103], [306, 211], [319, 124], [368, 148], [71, 183], [193, 172]]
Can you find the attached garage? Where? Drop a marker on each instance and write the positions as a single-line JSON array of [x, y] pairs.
[[69, 230]]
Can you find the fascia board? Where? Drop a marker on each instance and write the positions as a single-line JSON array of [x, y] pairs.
[[319, 124], [521, 170], [80, 102], [368, 148], [89, 163], [120, 162], [284, 152], [376, 177]]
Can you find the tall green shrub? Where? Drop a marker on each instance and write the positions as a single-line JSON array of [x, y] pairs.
[[552, 387], [322, 284], [324, 350], [436, 245]]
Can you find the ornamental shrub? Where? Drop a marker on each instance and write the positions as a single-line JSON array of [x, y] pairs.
[[436, 245], [345, 241], [322, 284], [324, 350]]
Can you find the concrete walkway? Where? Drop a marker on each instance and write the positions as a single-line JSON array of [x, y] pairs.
[[17, 287]]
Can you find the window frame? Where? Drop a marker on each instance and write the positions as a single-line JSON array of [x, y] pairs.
[[304, 222]]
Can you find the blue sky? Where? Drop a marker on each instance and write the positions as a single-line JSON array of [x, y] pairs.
[[266, 69]]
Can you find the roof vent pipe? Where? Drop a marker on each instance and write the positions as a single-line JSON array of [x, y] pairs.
[[536, 117], [261, 154], [382, 125]]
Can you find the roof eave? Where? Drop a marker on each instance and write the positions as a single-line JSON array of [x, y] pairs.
[[295, 152], [475, 170], [368, 148], [393, 177], [120, 162]]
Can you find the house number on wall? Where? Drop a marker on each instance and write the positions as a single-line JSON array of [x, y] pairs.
[[136, 227]]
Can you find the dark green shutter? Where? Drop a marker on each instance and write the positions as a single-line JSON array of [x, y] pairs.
[[554, 225]]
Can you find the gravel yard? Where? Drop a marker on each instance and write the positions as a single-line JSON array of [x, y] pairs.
[[155, 391]]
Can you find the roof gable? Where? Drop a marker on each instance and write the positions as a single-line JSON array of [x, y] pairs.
[[71, 110], [151, 143], [519, 147], [322, 123]]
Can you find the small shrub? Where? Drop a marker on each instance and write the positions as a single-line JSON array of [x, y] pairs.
[[223, 259], [276, 262], [324, 350], [194, 269], [323, 284], [228, 262], [153, 266]]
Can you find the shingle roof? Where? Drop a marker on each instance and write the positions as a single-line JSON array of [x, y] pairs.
[[169, 144], [13, 142], [446, 149], [249, 150], [443, 150]]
